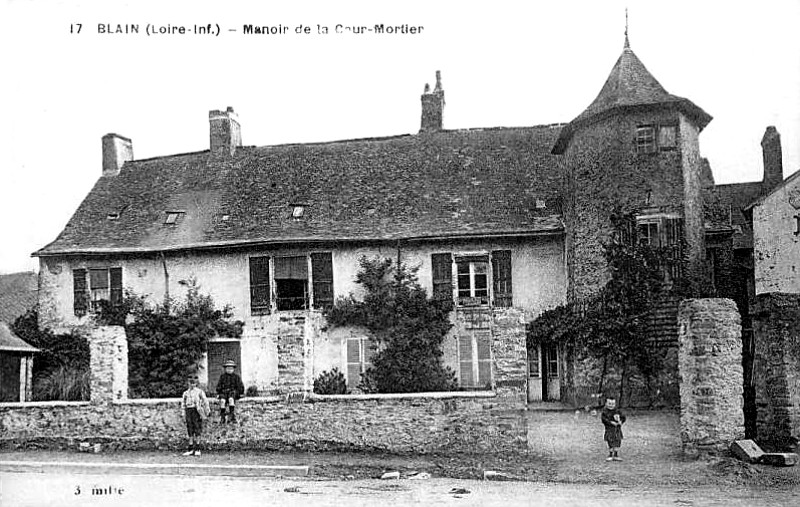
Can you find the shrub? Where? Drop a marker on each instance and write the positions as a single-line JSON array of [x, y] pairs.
[[252, 391], [62, 383], [330, 382], [408, 327]]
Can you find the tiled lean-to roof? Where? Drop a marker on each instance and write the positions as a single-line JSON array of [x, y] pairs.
[[630, 85], [499, 181], [18, 294]]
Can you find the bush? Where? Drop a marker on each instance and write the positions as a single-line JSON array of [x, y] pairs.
[[330, 382], [168, 340], [252, 391], [408, 327], [63, 384]]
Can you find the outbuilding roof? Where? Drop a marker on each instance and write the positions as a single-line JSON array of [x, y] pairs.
[[18, 294], [449, 183], [9, 342]]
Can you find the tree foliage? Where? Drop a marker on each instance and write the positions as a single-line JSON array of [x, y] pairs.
[[407, 326], [168, 340], [613, 325], [61, 367]]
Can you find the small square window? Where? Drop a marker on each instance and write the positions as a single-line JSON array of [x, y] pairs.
[[172, 217], [112, 216], [298, 211], [667, 137], [645, 139]]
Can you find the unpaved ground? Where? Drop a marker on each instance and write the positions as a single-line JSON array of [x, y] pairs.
[[564, 447]]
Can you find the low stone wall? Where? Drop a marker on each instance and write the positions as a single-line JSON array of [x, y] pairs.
[[710, 365], [458, 423], [777, 369]]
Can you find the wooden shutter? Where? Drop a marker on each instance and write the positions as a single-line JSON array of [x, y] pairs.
[[322, 275], [442, 271], [116, 286], [259, 286], [465, 360], [353, 362], [484, 357], [673, 237], [80, 293], [501, 276]]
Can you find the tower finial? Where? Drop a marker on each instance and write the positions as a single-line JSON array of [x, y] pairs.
[[627, 43]]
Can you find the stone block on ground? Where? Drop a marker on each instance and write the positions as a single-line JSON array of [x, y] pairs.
[[747, 451], [491, 475], [391, 475], [780, 459]]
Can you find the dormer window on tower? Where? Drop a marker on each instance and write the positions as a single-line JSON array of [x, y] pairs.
[[653, 138]]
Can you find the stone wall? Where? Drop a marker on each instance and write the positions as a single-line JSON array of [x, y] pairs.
[[710, 366], [108, 350], [454, 423], [777, 369], [510, 356]]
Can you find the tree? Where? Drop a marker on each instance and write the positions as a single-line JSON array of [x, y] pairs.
[[168, 340], [612, 326], [61, 368], [407, 326]]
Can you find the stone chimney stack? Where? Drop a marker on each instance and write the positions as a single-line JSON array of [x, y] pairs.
[[773, 159], [433, 106], [225, 132], [116, 151]]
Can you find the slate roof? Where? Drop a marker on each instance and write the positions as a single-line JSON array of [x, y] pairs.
[[725, 210], [629, 85], [18, 293], [9, 342], [448, 183]]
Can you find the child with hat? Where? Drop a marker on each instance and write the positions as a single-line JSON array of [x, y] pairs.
[[229, 389]]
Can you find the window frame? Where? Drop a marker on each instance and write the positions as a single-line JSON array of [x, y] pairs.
[[84, 294], [366, 351], [306, 302], [472, 262], [479, 362], [646, 137]]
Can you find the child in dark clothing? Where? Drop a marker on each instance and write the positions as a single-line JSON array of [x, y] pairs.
[[229, 389], [612, 419]]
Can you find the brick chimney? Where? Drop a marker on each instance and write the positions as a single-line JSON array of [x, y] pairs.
[[225, 132], [433, 106], [116, 151], [773, 159]]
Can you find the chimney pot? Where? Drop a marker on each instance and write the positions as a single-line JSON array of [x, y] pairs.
[[225, 133], [116, 151], [433, 107]]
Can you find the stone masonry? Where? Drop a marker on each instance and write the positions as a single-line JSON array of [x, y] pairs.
[[710, 366], [777, 369], [108, 349]]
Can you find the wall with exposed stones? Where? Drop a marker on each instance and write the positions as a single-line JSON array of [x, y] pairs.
[[710, 366], [456, 422], [776, 239], [777, 369]]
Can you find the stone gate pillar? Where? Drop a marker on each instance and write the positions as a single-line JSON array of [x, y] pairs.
[[777, 369], [710, 366], [510, 357], [108, 350]]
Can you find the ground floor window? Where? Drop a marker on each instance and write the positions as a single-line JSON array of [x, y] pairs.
[[474, 360], [359, 359]]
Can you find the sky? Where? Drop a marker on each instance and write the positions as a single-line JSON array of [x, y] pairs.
[[503, 63]]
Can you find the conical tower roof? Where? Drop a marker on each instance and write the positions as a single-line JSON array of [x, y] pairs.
[[629, 85]]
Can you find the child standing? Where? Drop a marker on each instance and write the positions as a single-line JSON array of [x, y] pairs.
[[195, 409], [612, 419], [229, 389]]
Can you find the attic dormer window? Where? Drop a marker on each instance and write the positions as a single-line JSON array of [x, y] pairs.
[[298, 211], [172, 217], [112, 216]]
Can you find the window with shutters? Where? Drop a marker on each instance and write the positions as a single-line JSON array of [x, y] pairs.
[[474, 358], [501, 278], [472, 280], [654, 138], [291, 283], [665, 233], [442, 267], [322, 276], [91, 286], [260, 293], [359, 358]]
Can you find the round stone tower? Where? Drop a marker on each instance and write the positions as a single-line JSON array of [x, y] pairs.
[[634, 148]]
